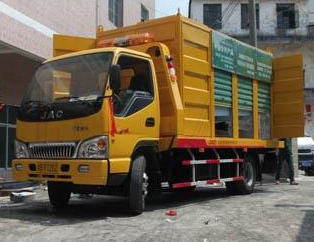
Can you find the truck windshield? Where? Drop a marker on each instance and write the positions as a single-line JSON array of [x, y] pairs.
[[67, 88]]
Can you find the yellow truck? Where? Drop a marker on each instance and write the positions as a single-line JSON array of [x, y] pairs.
[[164, 104]]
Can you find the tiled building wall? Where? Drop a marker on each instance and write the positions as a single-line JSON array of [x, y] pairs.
[[71, 17], [16, 72]]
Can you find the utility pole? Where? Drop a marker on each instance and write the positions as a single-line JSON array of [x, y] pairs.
[[96, 15], [252, 22]]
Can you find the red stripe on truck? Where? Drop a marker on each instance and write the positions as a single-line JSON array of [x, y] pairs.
[[201, 143], [212, 181], [213, 161], [238, 178], [181, 185], [237, 160], [192, 143], [186, 162]]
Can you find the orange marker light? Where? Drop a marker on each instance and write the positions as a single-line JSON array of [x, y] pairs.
[[128, 40], [101, 144]]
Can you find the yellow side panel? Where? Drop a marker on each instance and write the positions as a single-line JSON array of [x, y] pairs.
[[196, 80], [287, 99], [63, 44], [164, 30], [171, 111]]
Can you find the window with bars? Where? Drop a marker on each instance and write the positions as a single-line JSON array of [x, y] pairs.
[[115, 12], [212, 15], [245, 16], [287, 16], [144, 13], [8, 116]]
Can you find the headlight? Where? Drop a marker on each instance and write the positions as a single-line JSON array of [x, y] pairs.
[[95, 148], [20, 150]]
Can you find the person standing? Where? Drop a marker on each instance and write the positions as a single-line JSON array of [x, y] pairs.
[[286, 154]]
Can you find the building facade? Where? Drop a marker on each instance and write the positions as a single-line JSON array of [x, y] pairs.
[[284, 26], [27, 28]]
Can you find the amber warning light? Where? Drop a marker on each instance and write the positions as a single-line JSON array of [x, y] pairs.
[[129, 40]]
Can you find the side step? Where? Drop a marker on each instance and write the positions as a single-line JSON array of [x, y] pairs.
[[207, 182], [193, 163], [211, 161]]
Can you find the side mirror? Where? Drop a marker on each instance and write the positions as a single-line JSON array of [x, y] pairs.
[[115, 77]]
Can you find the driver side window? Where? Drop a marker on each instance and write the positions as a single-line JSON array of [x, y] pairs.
[[136, 90]]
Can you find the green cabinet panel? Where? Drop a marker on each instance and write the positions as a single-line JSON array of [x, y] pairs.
[[237, 57], [263, 66], [246, 56], [264, 96], [245, 93], [223, 52], [223, 88]]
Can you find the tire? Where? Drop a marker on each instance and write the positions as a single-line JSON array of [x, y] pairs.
[[231, 188], [59, 194], [138, 186], [249, 173]]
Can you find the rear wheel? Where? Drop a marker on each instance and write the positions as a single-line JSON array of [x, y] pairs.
[[231, 188], [59, 194], [249, 173], [138, 185]]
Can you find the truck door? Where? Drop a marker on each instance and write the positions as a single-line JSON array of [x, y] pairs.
[[135, 105], [287, 97]]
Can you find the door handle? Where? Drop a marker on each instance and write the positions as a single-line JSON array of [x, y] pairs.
[[150, 122]]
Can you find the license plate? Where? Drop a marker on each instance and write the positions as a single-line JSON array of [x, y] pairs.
[[307, 163], [47, 168]]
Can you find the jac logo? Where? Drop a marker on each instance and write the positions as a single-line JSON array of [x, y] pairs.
[[52, 115], [80, 128]]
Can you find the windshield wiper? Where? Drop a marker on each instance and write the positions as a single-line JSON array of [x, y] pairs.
[[75, 99], [34, 102], [67, 98]]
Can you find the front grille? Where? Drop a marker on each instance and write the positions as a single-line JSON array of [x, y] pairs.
[[304, 150], [52, 150], [305, 157]]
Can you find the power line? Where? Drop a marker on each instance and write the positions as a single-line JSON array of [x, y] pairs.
[[231, 12]]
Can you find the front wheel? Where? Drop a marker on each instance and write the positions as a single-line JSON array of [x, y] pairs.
[[59, 194], [138, 185], [249, 173]]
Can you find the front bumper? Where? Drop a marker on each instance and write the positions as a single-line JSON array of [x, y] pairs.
[[66, 171]]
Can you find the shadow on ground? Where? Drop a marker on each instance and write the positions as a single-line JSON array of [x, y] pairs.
[[306, 231], [100, 207]]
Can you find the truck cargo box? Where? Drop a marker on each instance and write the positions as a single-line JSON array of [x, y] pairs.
[[228, 89]]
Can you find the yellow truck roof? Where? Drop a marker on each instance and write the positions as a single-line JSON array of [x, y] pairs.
[[98, 50]]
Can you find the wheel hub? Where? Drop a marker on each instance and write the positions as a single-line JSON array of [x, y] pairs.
[[248, 174]]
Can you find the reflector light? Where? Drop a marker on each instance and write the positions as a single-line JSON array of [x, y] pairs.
[[172, 70], [308, 108], [128, 40], [1, 107]]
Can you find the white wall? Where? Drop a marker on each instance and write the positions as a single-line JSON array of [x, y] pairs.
[[231, 22], [29, 25]]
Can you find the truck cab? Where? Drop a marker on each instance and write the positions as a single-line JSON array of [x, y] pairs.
[[82, 109]]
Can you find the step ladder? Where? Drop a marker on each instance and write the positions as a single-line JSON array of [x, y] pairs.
[[193, 162]]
